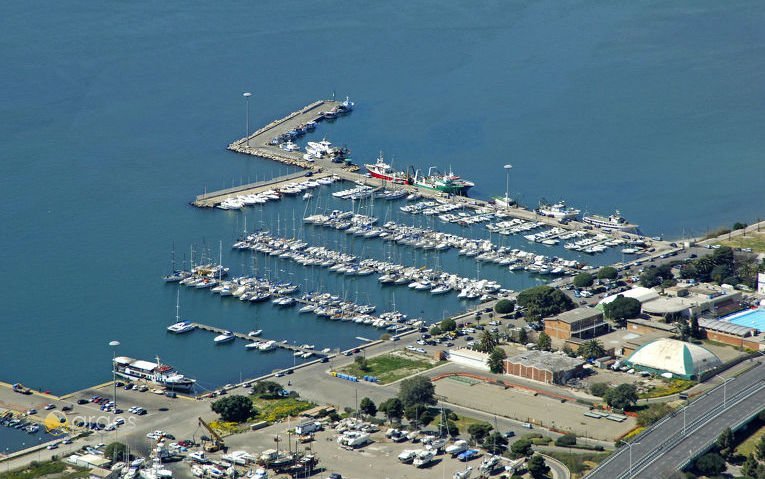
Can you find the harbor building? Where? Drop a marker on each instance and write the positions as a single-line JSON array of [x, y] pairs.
[[676, 358], [580, 323], [544, 366]]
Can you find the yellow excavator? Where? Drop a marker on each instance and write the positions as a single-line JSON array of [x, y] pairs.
[[216, 442]]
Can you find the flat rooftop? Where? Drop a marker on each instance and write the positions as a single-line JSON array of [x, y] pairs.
[[546, 360], [577, 314]]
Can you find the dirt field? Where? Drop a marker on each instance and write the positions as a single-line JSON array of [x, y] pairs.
[[526, 407]]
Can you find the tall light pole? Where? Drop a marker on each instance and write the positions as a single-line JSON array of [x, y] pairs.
[[507, 168], [725, 389], [629, 445], [247, 96], [113, 345]]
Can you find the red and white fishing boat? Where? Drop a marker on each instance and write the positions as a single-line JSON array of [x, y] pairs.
[[384, 171]]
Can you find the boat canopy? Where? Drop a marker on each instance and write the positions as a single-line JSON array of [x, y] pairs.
[[124, 360], [145, 365]]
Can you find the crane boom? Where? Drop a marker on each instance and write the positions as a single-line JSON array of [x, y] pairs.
[[218, 441]]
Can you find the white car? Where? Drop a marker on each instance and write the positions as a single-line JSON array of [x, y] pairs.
[[119, 421]]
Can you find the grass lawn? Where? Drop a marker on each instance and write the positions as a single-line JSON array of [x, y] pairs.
[[391, 367], [747, 447], [274, 409], [464, 422], [42, 469], [672, 386], [754, 240], [579, 464]]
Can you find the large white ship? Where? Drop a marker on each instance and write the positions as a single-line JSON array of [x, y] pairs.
[[613, 222], [558, 210], [156, 373]]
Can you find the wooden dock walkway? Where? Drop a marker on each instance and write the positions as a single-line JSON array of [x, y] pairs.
[[288, 346]]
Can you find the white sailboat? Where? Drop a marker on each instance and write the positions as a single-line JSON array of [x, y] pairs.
[[179, 326]]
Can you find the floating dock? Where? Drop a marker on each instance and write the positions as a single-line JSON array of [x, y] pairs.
[[250, 339]]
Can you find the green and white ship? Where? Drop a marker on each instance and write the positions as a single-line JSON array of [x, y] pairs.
[[444, 182]]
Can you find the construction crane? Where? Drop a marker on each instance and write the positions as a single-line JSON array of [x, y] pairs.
[[216, 443]]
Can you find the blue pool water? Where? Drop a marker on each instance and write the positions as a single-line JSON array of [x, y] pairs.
[[753, 319]]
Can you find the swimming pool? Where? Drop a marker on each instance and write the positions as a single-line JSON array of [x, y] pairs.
[[753, 318]]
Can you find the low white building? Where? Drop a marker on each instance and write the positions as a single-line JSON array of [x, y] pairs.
[[469, 358]]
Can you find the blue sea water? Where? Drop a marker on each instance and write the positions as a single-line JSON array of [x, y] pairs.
[[114, 115]]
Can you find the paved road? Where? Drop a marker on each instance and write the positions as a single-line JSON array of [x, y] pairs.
[[666, 447]]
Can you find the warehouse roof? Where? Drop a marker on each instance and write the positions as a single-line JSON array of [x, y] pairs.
[[726, 327], [578, 314]]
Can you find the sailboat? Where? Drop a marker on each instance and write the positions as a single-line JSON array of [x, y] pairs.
[[175, 275], [179, 326]]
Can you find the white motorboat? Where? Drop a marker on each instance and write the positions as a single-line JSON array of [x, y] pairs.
[[307, 195], [255, 334], [225, 337]]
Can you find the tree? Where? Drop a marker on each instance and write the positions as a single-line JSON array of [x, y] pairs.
[[725, 443], [537, 467], [544, 301], [233, 408], [497, 360], [523, 336], [752, 469], [599, 389], [607, 272], [361, 363], [504, 306], [622, 308], [419, 414], [566, 440], [710, 464], [488, 342], [435, 330], [449, 427], [544, 342], [759, 449], [583, 280], [622, 396], [652, 414], [656, 275], [367, 406], [448, 325], [479, 430], [495, 443], [267, 389], [695, 331], [392, 408], [522, 447], [591, 349], [417, 390], [115, 451]]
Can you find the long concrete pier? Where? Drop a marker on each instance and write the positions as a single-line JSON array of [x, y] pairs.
[[257, 144], [208, 200]]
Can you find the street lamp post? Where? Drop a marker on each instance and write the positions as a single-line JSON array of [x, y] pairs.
[[725, 388], [629, 445], [113, 345], [507, 168], [247, 96]]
